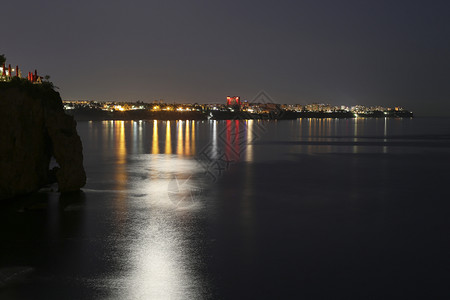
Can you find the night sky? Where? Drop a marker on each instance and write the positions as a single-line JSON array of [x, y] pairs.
[[338, 52]]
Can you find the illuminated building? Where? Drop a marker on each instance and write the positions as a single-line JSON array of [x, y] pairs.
[[6, 74], [232, 101]]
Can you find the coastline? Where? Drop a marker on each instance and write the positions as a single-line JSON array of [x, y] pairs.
[[101, 115]]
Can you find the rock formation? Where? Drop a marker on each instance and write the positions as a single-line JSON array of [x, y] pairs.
[[33, 129]]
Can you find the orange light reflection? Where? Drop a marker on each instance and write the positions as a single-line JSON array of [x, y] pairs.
[[155, 141], [168, 139]]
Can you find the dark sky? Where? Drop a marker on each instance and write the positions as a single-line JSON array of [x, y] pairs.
[[338, 52]]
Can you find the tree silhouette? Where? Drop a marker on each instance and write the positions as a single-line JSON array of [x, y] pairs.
[[2, 59]]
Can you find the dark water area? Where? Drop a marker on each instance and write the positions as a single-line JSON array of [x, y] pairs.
[[306, 209]]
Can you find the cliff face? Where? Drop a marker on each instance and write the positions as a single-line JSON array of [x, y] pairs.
[[34, 128]]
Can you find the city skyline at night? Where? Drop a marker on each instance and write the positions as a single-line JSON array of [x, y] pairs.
[[383, 52], [207, 149]]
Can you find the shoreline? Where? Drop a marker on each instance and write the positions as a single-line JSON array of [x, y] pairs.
[[100, 115]]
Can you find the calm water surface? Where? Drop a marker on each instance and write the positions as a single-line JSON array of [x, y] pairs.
[[308, 209]]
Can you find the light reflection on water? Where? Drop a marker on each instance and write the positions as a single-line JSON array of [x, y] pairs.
[[351, 136], [155, 141], [157, 259], [157, 193], [249, 138], [158, 263], [157, 184], [140, 232]]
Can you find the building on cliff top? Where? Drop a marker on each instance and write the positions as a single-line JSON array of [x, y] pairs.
[[6, 74]]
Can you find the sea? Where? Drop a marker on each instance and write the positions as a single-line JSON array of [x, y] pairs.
[[240, 209]]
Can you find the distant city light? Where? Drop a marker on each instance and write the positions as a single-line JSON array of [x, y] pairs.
[[119, 108], [314, 110]]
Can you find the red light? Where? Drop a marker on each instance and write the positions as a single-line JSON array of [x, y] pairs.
[[233, 100]]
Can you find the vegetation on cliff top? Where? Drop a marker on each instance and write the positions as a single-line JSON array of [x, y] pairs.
[[44, 91]]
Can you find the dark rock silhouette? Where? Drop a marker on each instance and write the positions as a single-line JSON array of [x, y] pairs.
[[33, 129]]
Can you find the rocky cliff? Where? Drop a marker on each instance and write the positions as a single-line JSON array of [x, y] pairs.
[[33, 129]]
